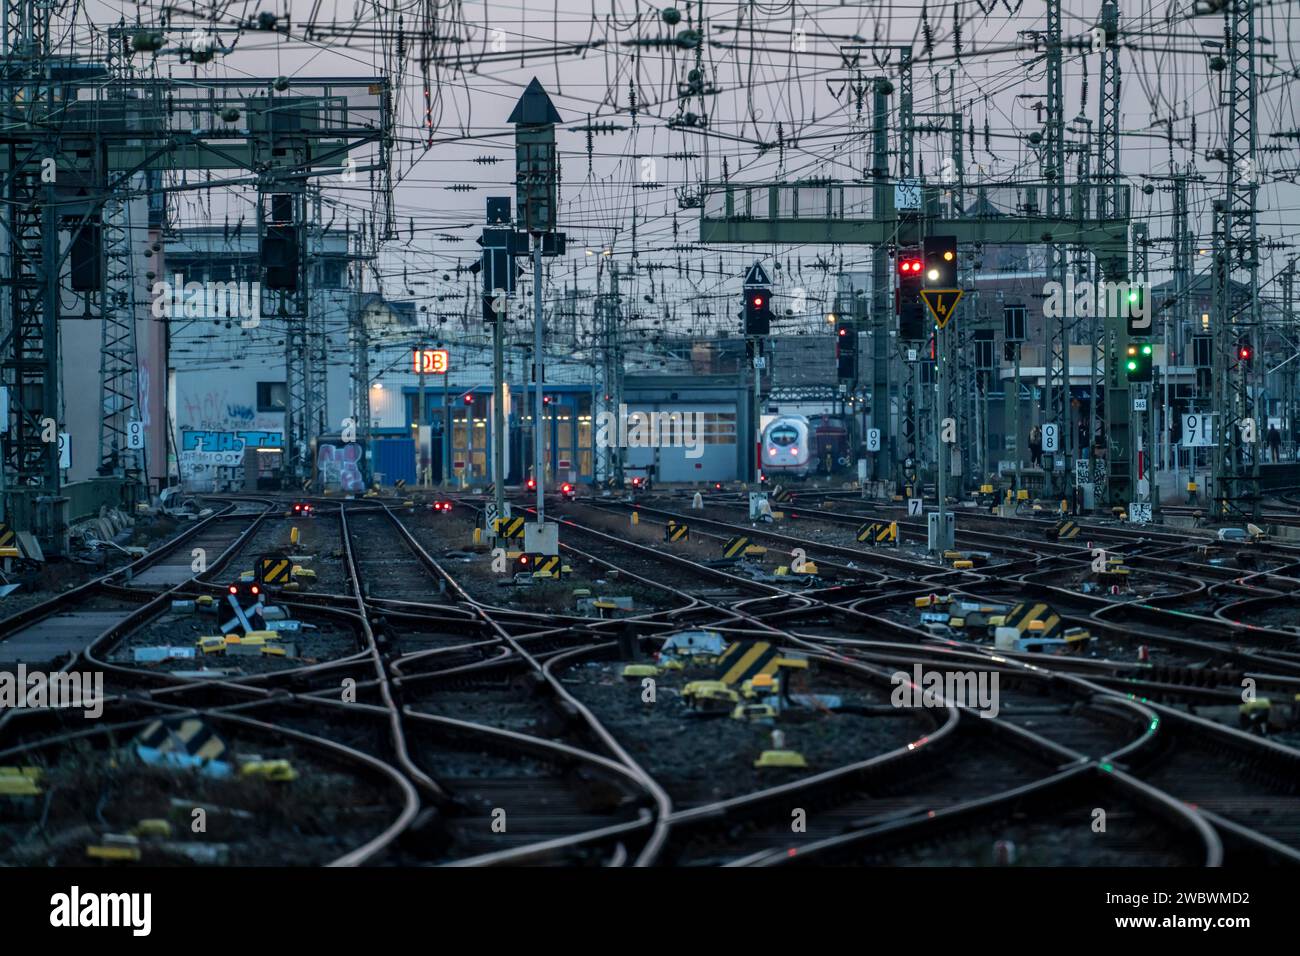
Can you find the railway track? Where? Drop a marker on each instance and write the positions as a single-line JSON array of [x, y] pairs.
[[487, 728]]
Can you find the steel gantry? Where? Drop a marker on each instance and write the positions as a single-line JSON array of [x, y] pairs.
[[993, 214], [79, 156]]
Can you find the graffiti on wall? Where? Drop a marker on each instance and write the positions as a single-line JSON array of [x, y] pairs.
[[201, 450], [339, 466], [216, 410], [212, 440]]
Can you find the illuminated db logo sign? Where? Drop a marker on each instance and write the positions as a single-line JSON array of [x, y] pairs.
[[431, 361]]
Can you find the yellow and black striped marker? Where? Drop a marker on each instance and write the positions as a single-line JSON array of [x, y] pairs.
[[510, 527], [1067, 529], [878, 532], [735, 546], [306, 484], [547, 565], [189, 736], [6, 536], [677, 532], [745, 660], [274, 569], [399, 484], [780, 494], [1036, 618]]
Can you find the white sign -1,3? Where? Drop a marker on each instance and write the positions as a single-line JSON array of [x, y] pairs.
[[907, 194]]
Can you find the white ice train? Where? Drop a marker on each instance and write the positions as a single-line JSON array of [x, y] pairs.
[[787, 447]]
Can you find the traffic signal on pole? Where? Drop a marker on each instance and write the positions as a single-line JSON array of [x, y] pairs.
[[1245, 352], [758, 310], [907, 297], [846, 351], [1135, 310], [1137, 363], [940, 270]]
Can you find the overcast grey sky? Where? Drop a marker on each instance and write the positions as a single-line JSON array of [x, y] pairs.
[[595, 57]]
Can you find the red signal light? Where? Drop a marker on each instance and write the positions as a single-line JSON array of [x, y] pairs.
[[532, 484], [566, 487], [469, 399], [234, 589], [254, 589]]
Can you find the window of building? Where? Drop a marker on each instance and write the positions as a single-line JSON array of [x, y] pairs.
[[719, 428], [329, 274], [272, 396]]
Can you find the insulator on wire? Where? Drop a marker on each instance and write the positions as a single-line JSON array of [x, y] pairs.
[[956, 30], [927, 32]]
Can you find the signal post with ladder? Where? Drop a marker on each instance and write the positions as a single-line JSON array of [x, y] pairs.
[[941, 296]]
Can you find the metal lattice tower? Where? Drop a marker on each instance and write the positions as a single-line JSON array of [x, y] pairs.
[[1108, 108], [1236, 479], [1053, 162], [1289, 336], [360, 342], [118, 384], [317, 347], [881, 313], [31, 240]]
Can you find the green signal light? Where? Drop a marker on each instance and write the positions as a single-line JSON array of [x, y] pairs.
[[1146, 350], [1132, 366], [1132, 296]]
